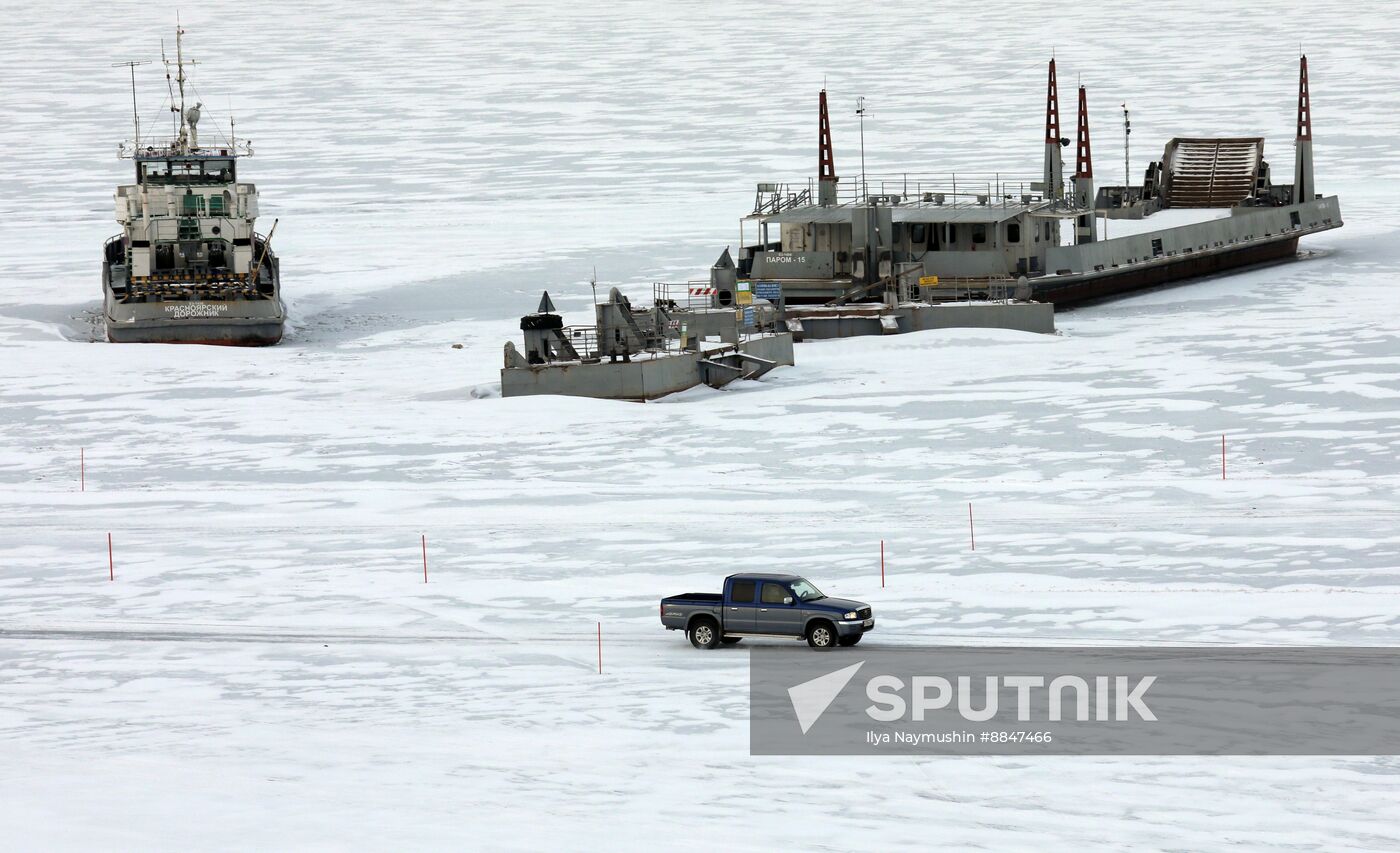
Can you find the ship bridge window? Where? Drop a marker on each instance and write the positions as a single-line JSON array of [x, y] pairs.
[[219, 170], [186, 171], [1013, 232], [154, 172], [979, 233]]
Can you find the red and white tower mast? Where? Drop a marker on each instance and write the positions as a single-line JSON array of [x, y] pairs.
[[1083, 175], [1303, 187], [826, 162], [1054, 167]]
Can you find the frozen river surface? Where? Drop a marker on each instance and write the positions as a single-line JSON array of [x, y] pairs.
[[269, 670]]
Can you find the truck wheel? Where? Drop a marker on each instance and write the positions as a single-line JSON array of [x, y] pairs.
[[729, 641], [704, 634], [821, 635], [851, 640]]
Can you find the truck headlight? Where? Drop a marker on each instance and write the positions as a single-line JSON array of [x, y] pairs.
[[851, 615]]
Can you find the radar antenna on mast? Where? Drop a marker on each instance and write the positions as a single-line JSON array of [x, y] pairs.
[[181, 128]]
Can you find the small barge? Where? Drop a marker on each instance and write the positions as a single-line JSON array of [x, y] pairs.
[[682, 340]]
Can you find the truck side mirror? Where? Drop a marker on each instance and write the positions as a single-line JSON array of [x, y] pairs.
[[787, 599]]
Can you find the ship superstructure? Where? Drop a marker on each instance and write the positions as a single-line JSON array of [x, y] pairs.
[[886, 239], [189, 265]]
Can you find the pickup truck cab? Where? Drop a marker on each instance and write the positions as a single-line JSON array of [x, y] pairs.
[[767, 605]]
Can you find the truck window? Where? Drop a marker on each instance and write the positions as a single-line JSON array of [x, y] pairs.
[[741, 592], [774, 593]]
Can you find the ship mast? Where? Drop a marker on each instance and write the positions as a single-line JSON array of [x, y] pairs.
[[182, 134]]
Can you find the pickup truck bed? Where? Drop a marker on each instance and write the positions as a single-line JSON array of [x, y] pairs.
[[695, 598]]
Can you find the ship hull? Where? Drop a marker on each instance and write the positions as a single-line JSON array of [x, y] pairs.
[[255, 334], [256, 322], [1174, 270], [1247, 237]]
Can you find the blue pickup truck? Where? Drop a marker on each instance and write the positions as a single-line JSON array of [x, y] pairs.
[[761, 605]]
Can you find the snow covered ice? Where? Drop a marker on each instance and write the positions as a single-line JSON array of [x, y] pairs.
[[269, 671]]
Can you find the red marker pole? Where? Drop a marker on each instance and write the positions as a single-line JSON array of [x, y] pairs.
[[882, 564], [600, 648], [971, 533], [111, 569], [1222, 457], [425, 558]]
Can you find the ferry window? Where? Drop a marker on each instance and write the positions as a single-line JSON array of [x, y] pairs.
[[979, 233], [184, 170], [155, 172], [220, 169], [952, 233], [1047, 230], [1013, 232], [1156, 248]]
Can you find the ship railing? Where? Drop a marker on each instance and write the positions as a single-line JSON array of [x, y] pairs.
[[775, 198], [114, 250], [953, 189], [967, 289], [584, 339], [685, 294], [171, 147], [758, 320]]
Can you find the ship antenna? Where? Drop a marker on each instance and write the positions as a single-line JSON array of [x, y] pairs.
[[860, 111], [169, 88], [135, 116], [593, 282], [180, 78], [180, 68]]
